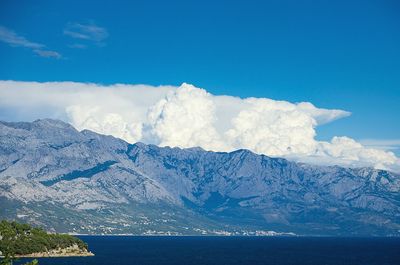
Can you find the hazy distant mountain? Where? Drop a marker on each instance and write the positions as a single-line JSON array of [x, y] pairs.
[[84, 182]]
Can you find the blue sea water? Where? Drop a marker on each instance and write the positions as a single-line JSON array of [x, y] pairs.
[[125, 250]]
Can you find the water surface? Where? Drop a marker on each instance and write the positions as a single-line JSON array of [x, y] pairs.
[[125, 250]]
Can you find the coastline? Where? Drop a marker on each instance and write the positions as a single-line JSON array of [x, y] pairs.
[[71, 251], [51, 255]]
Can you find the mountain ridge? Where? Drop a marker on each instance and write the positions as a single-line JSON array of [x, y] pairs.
[[97, 179]]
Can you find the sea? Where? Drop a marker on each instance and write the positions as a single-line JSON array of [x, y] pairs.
[[210, 250]]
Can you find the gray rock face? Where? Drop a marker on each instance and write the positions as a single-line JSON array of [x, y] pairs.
[[84, 182]]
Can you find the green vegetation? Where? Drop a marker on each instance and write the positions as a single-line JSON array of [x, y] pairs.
[[22, 239]]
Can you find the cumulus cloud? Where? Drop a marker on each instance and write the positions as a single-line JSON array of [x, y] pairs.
[[187, 116], [13, 39], [276, 128]]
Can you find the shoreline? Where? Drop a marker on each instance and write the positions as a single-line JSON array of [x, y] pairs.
[[71, 251], [265, 236], [55, 255], [47, 255]]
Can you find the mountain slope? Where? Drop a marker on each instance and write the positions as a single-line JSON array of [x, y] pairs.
[[84, 182]]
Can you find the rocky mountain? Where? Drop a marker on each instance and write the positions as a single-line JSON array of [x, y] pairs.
[[83, 182]]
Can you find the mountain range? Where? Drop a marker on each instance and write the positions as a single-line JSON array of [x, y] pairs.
[[82, 182]]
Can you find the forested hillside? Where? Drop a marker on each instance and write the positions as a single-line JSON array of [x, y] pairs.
[[22, 239]]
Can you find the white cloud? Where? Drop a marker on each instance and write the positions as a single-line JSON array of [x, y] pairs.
[[187, 116], [94, 118], [383, 144], [13, 39], [48, 54], [276, 128], [86, 32], [351, 153]]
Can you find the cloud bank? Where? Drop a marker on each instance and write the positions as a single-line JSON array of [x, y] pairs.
[[187, 116]]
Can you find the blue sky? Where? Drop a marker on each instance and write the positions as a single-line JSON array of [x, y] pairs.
[[335, 54]]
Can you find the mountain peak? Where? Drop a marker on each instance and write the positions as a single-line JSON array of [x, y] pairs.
[[53, 123]]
